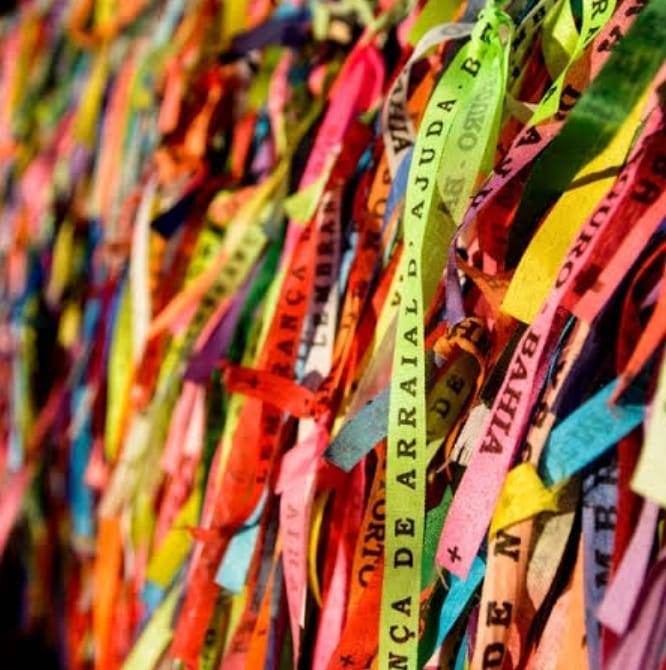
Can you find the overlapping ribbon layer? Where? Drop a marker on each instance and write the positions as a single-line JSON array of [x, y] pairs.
[[332, 333]]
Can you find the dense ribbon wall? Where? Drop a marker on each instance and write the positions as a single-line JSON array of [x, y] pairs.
[[332, 333]]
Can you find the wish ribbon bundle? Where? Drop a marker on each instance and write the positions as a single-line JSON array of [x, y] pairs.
[[332, 334]]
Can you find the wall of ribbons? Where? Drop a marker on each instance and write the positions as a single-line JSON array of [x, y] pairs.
[[332, 334]]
